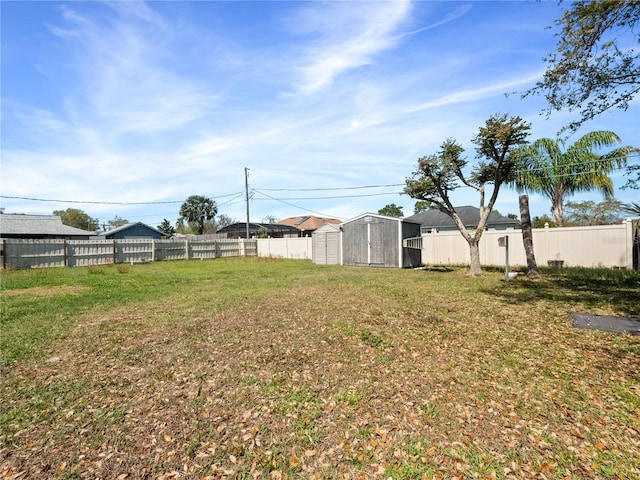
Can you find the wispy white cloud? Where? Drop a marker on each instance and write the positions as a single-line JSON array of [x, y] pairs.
[[122, 86], [471, 95], [450, 17], [345, 35]]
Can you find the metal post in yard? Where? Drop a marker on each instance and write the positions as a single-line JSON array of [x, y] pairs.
[[506, 259], [504, 242], [4, 253], [65, 253], [246, 193]]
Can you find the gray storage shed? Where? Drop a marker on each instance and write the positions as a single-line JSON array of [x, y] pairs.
[[327, 245], [376, 241]]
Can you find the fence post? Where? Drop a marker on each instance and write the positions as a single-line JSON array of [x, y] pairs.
[[629, 234], [65, 253], [547, 255], [115, 253], [186, 248], [4, 253], [153, 249]]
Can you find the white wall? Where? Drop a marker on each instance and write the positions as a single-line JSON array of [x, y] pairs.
[[297, 248], [599, 246]]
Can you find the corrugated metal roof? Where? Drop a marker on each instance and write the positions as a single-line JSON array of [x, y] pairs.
[[19, 224]]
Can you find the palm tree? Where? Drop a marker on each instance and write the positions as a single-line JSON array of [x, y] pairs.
[[198, 209], [632, 208], [555, 173]]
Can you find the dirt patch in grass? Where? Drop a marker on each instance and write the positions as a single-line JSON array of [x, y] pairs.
[[49, 291], [381, 375]]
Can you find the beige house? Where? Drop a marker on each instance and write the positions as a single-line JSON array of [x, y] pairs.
[[307, 224]]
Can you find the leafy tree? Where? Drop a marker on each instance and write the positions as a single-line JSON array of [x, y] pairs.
[[74, 217], [538, 222], [441, 173], [593, 68], [547, 169], [633, 182], [269, 219], [224, 220], [508, 215], [422, 206], [588, 213], [209, 227], [391, 210], [186, 228], [198, 209], [117, 222], [166, 227]]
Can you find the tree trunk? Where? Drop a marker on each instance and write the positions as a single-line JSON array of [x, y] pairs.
[[474, 249], [527, 237], [557, 210]]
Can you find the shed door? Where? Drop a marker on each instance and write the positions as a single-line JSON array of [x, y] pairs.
[[332, 253], [376, 243], [371, 251], [319, 248], [326, 248]]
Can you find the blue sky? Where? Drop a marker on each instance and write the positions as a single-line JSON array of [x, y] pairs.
[[130, 102]]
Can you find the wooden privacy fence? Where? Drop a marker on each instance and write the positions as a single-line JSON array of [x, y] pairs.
[[22, 254]]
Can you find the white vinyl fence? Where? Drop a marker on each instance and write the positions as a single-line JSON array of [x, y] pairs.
[[599, 246], [21, 254], [296, 248]]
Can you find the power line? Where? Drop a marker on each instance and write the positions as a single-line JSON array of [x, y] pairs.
[[296, 206], [329, 189], [105, 203], [332, 197], [236, 195]]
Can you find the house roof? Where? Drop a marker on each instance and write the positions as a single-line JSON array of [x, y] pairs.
[[377, 215], [240, 227], [328, 227], [469, 215], [127, 227], [19, 224], [307, 222]]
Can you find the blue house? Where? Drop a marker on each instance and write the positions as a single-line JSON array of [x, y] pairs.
[[133, 230]]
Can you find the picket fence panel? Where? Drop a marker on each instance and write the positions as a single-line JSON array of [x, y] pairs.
[[23, 254], [82, 253]]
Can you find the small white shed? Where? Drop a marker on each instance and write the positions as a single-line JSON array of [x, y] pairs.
[[327, 245]]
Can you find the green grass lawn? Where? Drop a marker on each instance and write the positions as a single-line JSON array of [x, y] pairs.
[[262, 368]]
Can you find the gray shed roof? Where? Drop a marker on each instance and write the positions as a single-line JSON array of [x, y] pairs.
[[19, 224], [377, 215], [469, 215]]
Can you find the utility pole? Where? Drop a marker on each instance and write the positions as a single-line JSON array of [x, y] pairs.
[[246, 195]]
